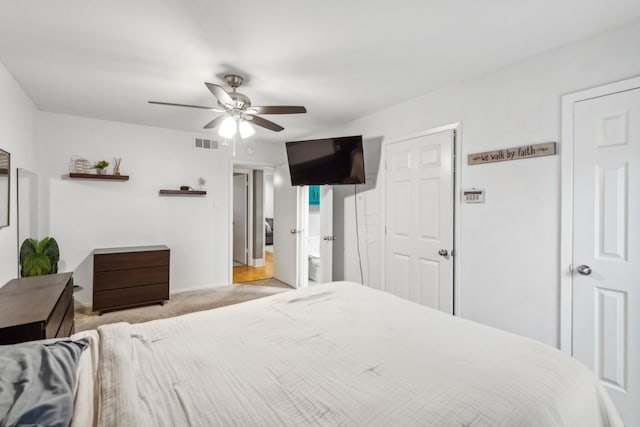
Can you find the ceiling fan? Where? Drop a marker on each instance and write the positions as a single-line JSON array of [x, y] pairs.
[[239, 113]]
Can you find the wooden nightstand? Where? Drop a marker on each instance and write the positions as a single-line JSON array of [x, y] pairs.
[[33, 308]]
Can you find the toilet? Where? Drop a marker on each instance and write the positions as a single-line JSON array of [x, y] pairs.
[[313, 247], [314, 267]]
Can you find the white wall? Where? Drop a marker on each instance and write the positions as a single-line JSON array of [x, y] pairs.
[[510, 245], [18, 137], [85, 214]]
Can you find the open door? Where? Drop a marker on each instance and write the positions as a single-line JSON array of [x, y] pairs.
[[287, 229], [326, 231]]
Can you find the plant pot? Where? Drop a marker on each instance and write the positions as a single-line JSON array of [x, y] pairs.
[[101, 171]]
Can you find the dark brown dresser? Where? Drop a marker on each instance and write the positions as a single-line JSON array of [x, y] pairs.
[[39, 307], [129, 277]]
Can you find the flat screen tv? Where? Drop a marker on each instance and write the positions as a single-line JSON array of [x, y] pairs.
[[326, 161]]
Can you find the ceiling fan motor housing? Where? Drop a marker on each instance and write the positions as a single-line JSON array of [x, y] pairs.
[[241, 100]]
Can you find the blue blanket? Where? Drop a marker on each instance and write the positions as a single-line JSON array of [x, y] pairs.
[[37, 381]]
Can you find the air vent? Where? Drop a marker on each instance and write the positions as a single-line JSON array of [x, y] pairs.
[[205, 143]]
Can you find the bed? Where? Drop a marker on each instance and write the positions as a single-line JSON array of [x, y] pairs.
[[334, 354]]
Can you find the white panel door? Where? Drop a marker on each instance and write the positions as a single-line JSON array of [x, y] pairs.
[[419, 220], [240, 218], [287, 229], [606, 245], [326, 234]]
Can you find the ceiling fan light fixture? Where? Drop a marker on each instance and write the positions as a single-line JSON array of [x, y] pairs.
[[228, 128], [238, 109], [246, 130]]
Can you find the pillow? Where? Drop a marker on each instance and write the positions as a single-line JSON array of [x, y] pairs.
[[37, 380]]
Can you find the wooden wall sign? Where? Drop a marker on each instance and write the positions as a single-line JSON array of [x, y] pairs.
[[514, 153]]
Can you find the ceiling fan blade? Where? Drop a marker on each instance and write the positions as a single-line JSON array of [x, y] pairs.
[[278, 109], [257, 120], [215, 122], [221, 95], [186, 105]]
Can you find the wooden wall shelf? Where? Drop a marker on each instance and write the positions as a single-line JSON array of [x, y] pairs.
[[96, 176], [182, 192]]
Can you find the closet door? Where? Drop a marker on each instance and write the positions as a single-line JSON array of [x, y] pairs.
[[606, 244], [419, 220]]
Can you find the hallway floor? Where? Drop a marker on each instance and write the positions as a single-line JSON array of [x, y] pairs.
[[245, 273]]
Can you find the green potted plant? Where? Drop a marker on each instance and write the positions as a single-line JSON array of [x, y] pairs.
[[100, 167], [38, 258]]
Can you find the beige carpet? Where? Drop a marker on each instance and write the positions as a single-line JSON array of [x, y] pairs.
[[182, 303]]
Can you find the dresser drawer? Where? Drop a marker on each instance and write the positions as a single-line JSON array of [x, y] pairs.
[[130, 260], [127, 297], [22, 333], [57, 315], [117, 279]]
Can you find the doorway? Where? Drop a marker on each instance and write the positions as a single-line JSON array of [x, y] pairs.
[[600, 255], [419, 218], [252, 225], [240, 219], [319, 234], [303, 233], [313, 235]]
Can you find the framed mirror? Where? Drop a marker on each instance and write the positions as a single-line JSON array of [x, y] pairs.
[[5, 174]]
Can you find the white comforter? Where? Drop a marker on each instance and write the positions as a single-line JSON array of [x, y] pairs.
[[338, 354]]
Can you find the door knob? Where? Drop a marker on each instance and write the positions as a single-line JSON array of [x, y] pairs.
[[584, 270], [443, 252], [329, 238], [294, 231]]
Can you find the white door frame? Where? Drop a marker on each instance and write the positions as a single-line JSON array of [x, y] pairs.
[[456, 162], [566, 207], [249, 213], [302, 257], [245, 167]]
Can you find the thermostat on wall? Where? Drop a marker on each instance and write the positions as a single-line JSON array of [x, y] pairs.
[[473, 195]]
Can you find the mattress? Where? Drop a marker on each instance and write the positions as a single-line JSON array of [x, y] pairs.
[[334, 354]]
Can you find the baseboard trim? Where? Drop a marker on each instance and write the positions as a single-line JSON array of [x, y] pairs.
[[199, 288]]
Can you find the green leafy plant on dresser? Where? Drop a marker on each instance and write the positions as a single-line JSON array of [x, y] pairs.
[[38, 258]]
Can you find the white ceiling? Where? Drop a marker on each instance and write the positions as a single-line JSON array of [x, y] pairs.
[[340, 58]]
